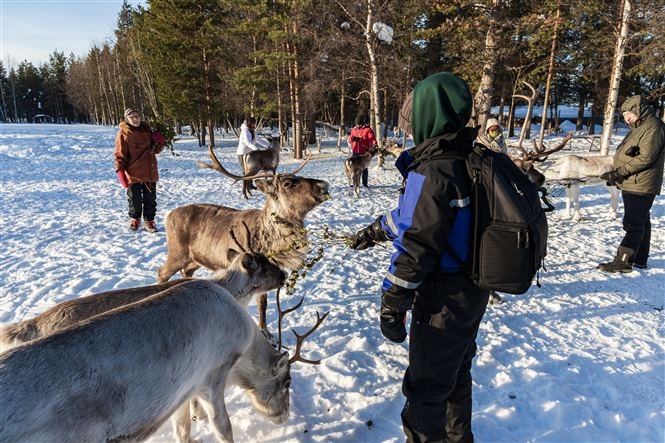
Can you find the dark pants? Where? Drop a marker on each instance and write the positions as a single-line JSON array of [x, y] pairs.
[[437, 384], [637, 224], [142, 199]]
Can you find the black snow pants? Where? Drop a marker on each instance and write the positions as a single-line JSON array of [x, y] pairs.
[[446, 316], [142, 199], [637, 224]]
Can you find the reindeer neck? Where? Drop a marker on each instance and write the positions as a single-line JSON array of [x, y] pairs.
[[286, 212], [254, 363]]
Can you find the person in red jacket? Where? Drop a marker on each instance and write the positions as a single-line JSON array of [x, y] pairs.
[[136, 146], [361, 140]]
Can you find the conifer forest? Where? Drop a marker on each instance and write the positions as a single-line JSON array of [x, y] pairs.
[[294, 64]]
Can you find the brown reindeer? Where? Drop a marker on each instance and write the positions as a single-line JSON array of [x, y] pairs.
[[354, 167], [260, 160], [198, 236]]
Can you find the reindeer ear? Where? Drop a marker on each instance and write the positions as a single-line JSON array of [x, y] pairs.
[[249, 262], [280, 363]]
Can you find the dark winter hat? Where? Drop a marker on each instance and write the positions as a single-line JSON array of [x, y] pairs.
[[130, 111], [404, 120], [361, 119], [442, 105]]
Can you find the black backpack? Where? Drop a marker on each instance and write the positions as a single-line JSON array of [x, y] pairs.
[[509, 226]]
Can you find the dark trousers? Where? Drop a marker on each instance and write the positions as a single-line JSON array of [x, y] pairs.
[[637, 224], [142, 199], [437, 384]]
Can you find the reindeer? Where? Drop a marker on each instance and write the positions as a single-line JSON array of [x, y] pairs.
[[197, 235], [260, 160], [573, 170], [354, 167], [570, 170], [248, 274], [119, 375]]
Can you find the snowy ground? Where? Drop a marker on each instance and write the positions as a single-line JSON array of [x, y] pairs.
[[580, 359]]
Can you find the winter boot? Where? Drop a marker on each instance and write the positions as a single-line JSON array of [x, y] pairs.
[[150, 226], [134, 224], [621, 263]]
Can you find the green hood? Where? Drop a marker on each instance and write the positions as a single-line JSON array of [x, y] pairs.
[[441, 105], [638, 106]]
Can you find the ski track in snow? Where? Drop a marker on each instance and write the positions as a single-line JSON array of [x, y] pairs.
[[579, 359]]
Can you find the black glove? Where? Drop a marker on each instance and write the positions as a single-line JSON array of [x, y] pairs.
[[369, 236], [394, 304], [612, 177], [393, 325]]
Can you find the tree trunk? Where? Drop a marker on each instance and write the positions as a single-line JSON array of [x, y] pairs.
[[483, 99], [550, 74], [615, 78], [374, 73]]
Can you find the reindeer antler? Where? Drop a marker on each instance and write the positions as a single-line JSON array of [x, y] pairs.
[[542, 156], [282, 313], [247, 249], [297, 356], [217, 166], [300, 338]]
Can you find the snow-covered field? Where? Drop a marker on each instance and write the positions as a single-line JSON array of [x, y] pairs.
[[580, 359]]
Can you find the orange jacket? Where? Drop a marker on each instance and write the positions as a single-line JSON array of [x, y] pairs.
[[135, 153], [361, 139]]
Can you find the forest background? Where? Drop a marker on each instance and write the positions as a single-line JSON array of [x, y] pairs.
[[298, 63]]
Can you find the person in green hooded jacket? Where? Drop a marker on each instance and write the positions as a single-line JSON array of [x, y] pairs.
[[638, 172], [430, 226]]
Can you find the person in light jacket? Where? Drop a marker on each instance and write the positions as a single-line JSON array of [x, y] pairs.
[[638, 172], [249, 141], [136, 149], [493, 136]]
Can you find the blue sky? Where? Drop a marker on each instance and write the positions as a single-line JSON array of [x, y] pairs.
[[32, 29]]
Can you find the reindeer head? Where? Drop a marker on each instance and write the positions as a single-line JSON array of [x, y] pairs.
[[526, 162], [292, 193], [265, 373], [285, 191]]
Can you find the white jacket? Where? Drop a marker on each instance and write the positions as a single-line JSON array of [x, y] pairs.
[[247, 143]]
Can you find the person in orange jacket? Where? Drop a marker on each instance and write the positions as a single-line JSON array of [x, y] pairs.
[[136, 149]]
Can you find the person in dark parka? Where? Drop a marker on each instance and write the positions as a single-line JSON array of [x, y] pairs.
[[638, 172], [433, 217]]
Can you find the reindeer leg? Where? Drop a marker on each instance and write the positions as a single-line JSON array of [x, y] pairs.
[[569, 210], [575, 191], [215, 408], [182, 425], [614, 200]]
